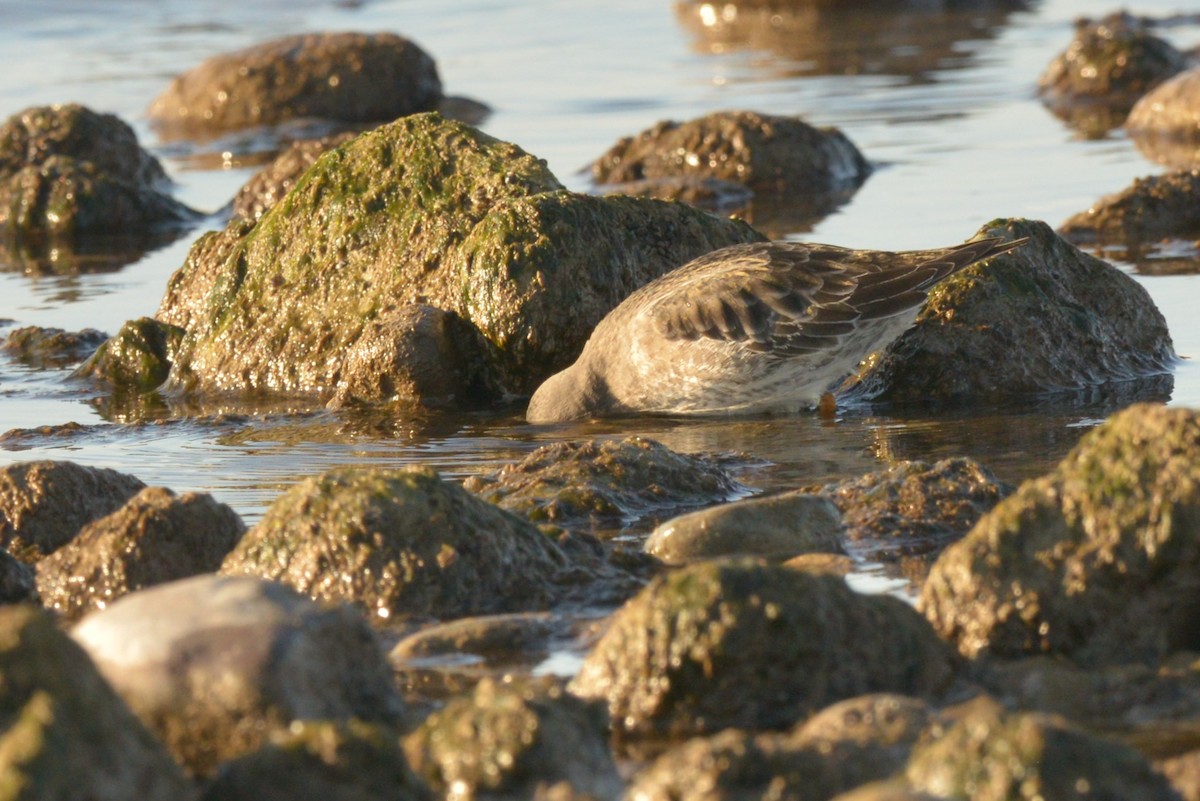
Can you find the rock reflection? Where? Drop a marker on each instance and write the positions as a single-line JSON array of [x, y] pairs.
[[885, 37]]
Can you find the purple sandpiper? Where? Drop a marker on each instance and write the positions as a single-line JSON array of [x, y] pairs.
[[762, 327]]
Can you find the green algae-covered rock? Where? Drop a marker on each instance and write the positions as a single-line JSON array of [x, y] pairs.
[[41, 347], [972, 341], [66, 734], [400, 543], [44, 504], [596, 480], [1096, 560], [216, 664], [138, 358], [985, 754], [1150, 209], [154, 538], [1108, 66], [321, 761], [422, 210], [70, 174], [513, 739], [745, 644]]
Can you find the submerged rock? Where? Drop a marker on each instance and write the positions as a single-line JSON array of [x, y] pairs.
[[1096, 560], [764, 153], [1107, 67], [972, 341], [43, 505], [68, 174], [986, 754], [51, 348], [778, 527], [348, 77], [1165, 123], [603, 480], [401, 543], [418, 211], [66, 734], [914, 508], [268, 186], [214, 664], [321, 761], [154, 538], [137, 359], [514, 740], [1151, 208], [744, 644]]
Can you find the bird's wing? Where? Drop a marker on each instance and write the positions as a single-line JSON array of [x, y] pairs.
[[792, 298]]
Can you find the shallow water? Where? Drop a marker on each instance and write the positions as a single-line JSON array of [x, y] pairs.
[[942, 103]]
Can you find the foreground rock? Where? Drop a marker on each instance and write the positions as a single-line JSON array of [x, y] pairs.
[[603, 481], [45, 504], [743, 644], [1165, 124], [1107, 67], [271, 183], [1097, 328], [914, 509], [154, 538], [348, 77], [70, 176], [1095, 561], [1150, 209], [66, 734], [514, 739], [49, 348], [401, 544], [778, 527], [214, 664], [419, 211], [319, 761]]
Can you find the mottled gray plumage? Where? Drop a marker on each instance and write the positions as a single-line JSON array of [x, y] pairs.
[[749, 328]]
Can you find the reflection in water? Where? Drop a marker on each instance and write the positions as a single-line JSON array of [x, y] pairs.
[[1165, 257], [913, 39]]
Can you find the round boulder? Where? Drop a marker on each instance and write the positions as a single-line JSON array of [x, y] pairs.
[[1165, 123]]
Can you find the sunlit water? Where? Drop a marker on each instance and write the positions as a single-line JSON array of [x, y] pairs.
[[946, 110]]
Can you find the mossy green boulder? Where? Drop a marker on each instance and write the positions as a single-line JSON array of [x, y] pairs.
[[422, 210], [1097, 561]]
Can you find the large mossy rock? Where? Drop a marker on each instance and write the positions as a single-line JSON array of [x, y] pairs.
[[972, 341], [65, 733], [1099, 560], [422, 210], [401, 543], [44, 504], [745, 644], [216, 665]]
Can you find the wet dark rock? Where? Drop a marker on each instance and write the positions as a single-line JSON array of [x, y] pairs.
[[762, 152], [17, 439], [1108, 66], [1096, 560], [745, 644], [349, 77], [214, 664], [972, 341], [419, 211], [321, 761], [777, 527], [985, 754], [1150, 209], [421, 354], [66, 734], [18, 583], [138, 359], [43, 348], [914, 508], [486, 638], [401, 543], [43, 505], [512, 739], [68, 174], [1165, 123], [272, 182], [603, 480], [154, 538]]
